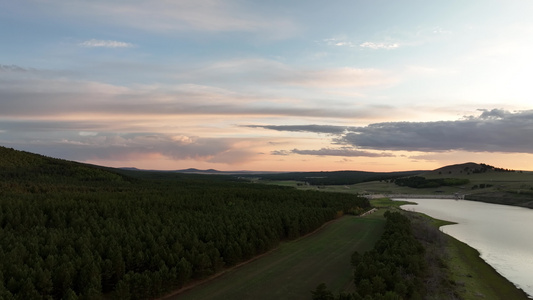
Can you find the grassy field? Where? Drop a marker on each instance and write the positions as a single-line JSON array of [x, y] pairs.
[[297, 267], [510, 188], [512, 181], [388, 203]]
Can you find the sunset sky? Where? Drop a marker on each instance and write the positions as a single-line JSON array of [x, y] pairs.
[[269, 85]]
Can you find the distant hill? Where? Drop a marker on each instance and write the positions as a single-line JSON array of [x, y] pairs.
[[199, 171], [193, 170], [465, 169]]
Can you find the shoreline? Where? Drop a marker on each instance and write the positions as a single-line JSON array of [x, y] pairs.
[[471, 271], [467, 267]]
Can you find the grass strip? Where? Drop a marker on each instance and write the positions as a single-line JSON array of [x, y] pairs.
[[388, 203], [297, 267]]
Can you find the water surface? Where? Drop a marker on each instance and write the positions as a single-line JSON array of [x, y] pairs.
[[502, 234]]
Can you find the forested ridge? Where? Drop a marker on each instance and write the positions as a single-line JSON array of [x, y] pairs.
[[75, 231]]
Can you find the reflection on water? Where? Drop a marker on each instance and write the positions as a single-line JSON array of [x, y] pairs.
[[502, 234]]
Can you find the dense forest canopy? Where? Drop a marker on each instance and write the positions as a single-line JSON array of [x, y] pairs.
[[71, 230]]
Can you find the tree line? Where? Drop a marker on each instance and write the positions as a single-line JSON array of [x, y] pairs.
[[398, 267]]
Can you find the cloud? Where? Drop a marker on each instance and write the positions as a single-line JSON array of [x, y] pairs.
[[136, 146], [346, 152], [177, 16], [377, 46], [492, 131], [492, 114], [270, 72], [338, 78], [280, 152], [44, 94], [351, 44], [329, 129], [393, 39], [20, 125], [13, 68], [93, 43], [495, 130], [338, 42]]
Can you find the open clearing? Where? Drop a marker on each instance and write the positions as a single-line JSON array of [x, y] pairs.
[[295, 269]]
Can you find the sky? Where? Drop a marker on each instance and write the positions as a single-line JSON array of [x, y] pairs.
[[269, 85]]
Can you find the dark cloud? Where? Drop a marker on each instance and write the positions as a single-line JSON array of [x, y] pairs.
[[329, 129], [346, 152], [280, 152], [493, 114], [492, 131]]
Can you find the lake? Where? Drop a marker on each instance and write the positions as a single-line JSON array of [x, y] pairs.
[[502, 234]]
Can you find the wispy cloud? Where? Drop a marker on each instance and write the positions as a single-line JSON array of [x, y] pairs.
[[54, 97], [392, 39], [339, 42], [342, 42], [178, 16], [329, 129], [274, 72], [52, 94], [137, 146], [93, 43], [347, 152], [377, 46], [340, 77], [13, 68]]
